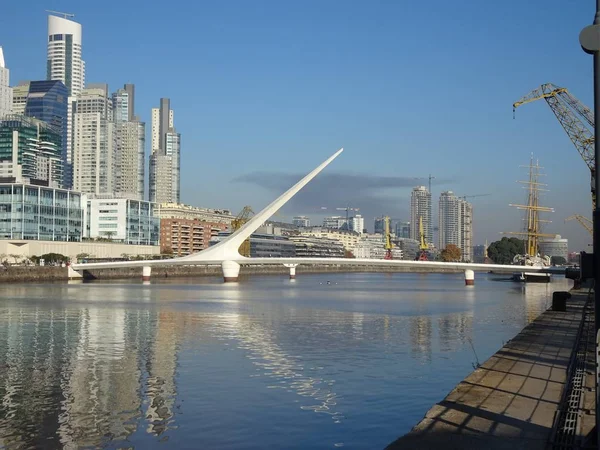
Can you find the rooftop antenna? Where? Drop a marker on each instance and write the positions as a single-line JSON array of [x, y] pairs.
[[67, 15]]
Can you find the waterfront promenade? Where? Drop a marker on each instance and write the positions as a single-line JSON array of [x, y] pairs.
[[511, 400]]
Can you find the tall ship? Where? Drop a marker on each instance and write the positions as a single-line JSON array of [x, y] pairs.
[[532, 229]]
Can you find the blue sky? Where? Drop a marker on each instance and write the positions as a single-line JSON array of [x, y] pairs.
[[407, 88]]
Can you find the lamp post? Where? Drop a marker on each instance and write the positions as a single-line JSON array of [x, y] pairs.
[[589, 38]]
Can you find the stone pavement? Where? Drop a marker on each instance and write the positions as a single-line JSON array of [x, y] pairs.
[[510, 401]]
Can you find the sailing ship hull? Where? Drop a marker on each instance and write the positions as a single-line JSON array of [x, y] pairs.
[[532, 277]]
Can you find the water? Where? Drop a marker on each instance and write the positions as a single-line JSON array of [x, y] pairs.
[[266, 363]]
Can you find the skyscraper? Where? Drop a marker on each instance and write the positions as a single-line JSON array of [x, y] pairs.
[[47, 101], [420, 209], [130, 140], [165, 157], [94, 142], [19, 98], [64, 54], [5, 90], [455, 224]]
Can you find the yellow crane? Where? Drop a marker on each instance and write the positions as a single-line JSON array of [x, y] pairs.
[[388, 238], [423, 245], [584, 221], [576, 119], [237, 223]]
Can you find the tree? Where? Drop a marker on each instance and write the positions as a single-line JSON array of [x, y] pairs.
[[167, 251], [348, 254], [504, 250], [15, 257], [83, 255], [50, 258], [557, 260], [109, 235], [451, 253]]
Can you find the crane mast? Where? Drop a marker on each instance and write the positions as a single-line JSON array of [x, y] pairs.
[[583, 221], [388, 238], [423, 247], [569, 111], [237, 223]]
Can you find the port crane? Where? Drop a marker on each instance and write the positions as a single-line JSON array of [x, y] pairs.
[[465, 197], [388, 238], [584, 221], [237, 223], [576, 119], [423, 247]]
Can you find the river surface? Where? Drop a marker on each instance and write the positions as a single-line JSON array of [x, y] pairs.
[[266, 363]]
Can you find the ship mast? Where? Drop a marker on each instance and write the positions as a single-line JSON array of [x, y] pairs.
[[533, 209]]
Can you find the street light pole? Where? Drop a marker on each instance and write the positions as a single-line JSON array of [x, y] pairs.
[[589, 38]]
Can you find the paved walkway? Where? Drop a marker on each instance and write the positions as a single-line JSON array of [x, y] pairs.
[[510, 401]]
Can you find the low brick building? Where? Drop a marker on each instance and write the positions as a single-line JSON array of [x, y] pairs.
[[185, 236]]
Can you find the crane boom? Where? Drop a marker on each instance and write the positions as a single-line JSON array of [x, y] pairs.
[[584, 221], [569, 111]]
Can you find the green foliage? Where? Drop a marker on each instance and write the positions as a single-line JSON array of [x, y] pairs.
[[504, 250], [451, 253], [50, 258], [558, 260]]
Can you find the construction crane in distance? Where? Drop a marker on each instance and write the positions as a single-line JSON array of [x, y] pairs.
[[464, 197], [576, 119], [584, 221], [388, 239], [348, 209], [60, 13], [237, 223]]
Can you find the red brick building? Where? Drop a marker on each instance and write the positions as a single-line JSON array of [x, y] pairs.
[[185, 236]]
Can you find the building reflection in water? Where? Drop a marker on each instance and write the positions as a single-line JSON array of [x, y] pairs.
[[83, 377]]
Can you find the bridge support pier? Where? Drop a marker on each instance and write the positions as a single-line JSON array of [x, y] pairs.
[[231, 271], [146, 273], [292, 268], [469, 277]]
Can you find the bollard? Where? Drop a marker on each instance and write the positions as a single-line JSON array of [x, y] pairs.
[[559, 300]]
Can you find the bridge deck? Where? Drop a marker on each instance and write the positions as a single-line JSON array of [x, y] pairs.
[[511, 400]]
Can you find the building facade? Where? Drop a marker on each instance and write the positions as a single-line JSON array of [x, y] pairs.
[[181, 211], [373, 247], [264, 245], [182, 237], [47, 101], [130, 143], [410, 248], [165, 157], [30, 151], [403, 230], [301, 221], [349, 239], [357, 224], [5, 89], [132, 222], [379, 225], [420, 210], [555, 247], [94, 143], [334, 222], [315, 247], [64, 54], [40, 213], [19, 98]]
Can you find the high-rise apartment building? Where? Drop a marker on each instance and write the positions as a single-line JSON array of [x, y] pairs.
[[420, 210], [379, 225], [456, 224], [30, 151], [130, 141], [165, 157], [94, 142], [5, 89], [64, 54]]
